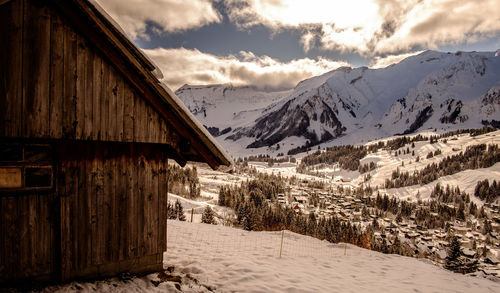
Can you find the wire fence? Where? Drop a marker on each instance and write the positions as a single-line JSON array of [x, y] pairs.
[[210, 242]]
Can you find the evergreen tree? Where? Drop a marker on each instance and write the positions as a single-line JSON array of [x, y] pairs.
[[222, 196], [179, 211], [170, 212], [208, 216], [458, 263], [453, 262]]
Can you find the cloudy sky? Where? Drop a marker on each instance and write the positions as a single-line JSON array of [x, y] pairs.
[[276, 43]]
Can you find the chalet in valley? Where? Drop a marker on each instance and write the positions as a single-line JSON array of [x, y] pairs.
[[86, 129]]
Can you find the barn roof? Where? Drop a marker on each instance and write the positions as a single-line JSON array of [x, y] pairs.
[[93, 22]]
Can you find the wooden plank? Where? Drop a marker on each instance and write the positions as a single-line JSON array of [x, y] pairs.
[[105, 101], [94, 188], [36, 69], [70, 76], [140, 210], [65, 218], [34, 237], [83, 93], [132, 203], [74, 213], [120, 108], [154, 202], [24, 235], [147, 197], [112, 94], [162, 205], [101, 221], [56, 76], [96, 97], [89, 196], [122, 204], [114, 202], [45, 231], [10, 222], [149, 124], [11, 51], [148, 200], [108, 196], [81, 222], [89, 85], [138, 132], [128, 118], [162, 135]]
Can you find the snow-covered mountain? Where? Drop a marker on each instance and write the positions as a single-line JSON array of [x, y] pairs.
[[432, 90]]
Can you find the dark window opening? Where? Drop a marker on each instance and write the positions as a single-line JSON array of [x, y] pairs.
[[37, 153], [11, 153], [25, 167], [38, 177]]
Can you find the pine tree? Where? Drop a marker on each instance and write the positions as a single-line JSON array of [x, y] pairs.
[[208, 216], [179, 211], [453, 262], [222, 197], [458, 263], [170, 212]]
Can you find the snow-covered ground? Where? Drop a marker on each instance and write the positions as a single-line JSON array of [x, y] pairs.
[[387, 162], [203, 258]]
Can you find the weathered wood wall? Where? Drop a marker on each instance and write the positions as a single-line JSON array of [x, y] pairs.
[[113, 208], [107, 215], [28, 236], [55, 84]]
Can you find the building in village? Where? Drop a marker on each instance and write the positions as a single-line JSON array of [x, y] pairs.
[[86, 129]]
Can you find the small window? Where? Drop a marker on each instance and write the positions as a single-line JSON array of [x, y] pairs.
[[37, 153], [38, 177], [25, 167], [11, 153]]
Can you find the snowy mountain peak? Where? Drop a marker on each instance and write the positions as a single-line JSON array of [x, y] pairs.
[[431, 90]]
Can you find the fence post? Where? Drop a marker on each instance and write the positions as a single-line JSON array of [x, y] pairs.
[[192, 211], [281, 246], [345, 248]]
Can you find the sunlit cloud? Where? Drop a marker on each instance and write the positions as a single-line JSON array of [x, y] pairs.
[[372, 27], [184, 66], [382, 62], [167, 15]]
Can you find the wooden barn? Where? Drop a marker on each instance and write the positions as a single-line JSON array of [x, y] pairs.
[[85, 132]]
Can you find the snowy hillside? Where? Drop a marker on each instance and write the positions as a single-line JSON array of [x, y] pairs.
[[208, 258], [386, 162], [432, 90]]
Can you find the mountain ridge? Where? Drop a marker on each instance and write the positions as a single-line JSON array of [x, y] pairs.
[[431, 90]]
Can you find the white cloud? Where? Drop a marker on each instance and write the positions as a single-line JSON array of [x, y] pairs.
[[168, 15], [184, 66], [381, 62], [373, 27]]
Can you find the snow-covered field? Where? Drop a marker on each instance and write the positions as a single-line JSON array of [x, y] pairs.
[[203, 258], [387, 162]]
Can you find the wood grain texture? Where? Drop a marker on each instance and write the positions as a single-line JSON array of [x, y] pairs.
[[56, 76], [36, 69], [11, 54]]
